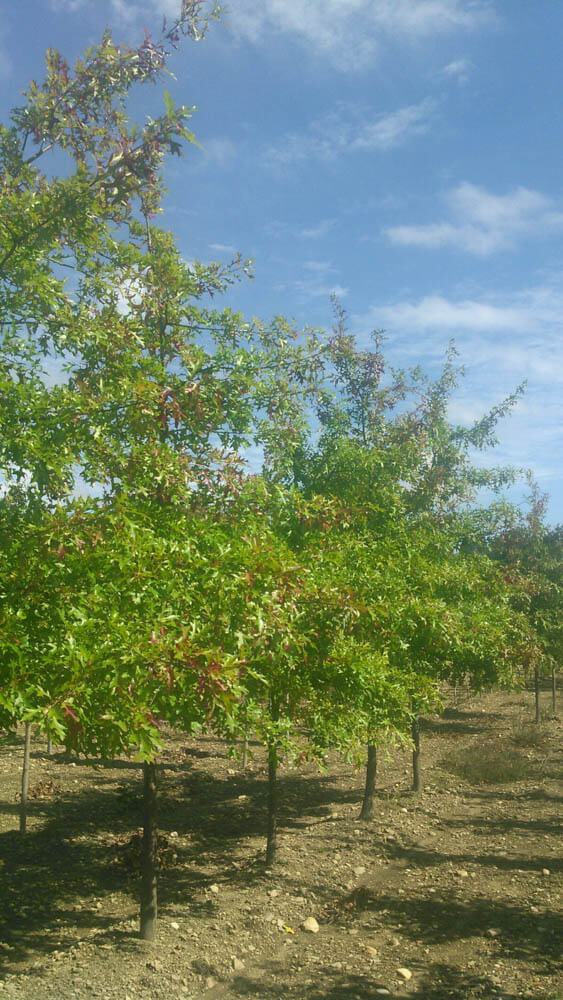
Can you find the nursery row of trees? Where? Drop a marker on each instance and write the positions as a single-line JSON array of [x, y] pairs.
[[148, 576]]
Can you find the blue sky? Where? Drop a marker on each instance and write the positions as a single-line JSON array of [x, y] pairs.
[[403, 153]]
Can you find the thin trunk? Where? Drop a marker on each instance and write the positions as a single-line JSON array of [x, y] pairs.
[[245, 741], [537, 692], [49, 746], [415, 732], [271, 843], [149, 855], [25, 777], [371, 777], [553, 691]]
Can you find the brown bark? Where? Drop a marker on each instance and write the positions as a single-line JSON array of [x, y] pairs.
[[370, 785], [149, 855], [415, 732], [25, 778], [272, 835], [553, 691], [537, 693]]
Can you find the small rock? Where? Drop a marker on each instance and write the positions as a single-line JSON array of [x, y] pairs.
[[214, 889], [359, 870], [210, 982], [238, 966], [174, 925], [493, 932], [382, 992], [545, 871], [174, 835], [370, 950], [310, 925], [403, 810], [155, 965], [405, 974], [272, 893], [462, 873], [395, 941]]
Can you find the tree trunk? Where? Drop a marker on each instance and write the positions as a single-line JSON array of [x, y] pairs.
[[25, 777], [149, 855], [553, 691], [271, 843], [245, 741], [537, 693], [49, 746], [371, 777], [415, 732]]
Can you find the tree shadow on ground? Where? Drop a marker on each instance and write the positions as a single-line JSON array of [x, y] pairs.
[[69, 861], [434, 981], [458, 722], [55, 874], [491, 827], [424, 858], [441, 918]]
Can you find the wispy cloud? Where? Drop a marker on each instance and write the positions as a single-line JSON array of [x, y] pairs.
[[459, 70], [222, 248], [349, 129], [216, 152], [317, 280], [351, 32], [316, 232], [316, 287], [502, 339], [482, 223], [68, 5]]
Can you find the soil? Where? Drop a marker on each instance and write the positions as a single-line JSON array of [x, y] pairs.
[[458, 886]]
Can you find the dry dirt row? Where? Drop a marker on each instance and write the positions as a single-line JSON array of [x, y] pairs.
[[459, 887]]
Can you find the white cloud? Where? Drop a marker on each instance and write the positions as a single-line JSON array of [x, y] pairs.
[[349, 129], [222, 248], [69, 5], [214, 152], [315, 287], [317, 280], [459, 70], [318, 231], [502, 340], [482, 223], [351, 32], [433, 312]]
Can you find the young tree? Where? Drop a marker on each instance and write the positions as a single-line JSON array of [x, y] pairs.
[[159, 393], [389, 453]]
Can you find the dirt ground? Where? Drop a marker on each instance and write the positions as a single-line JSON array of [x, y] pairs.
[[458, 886]]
